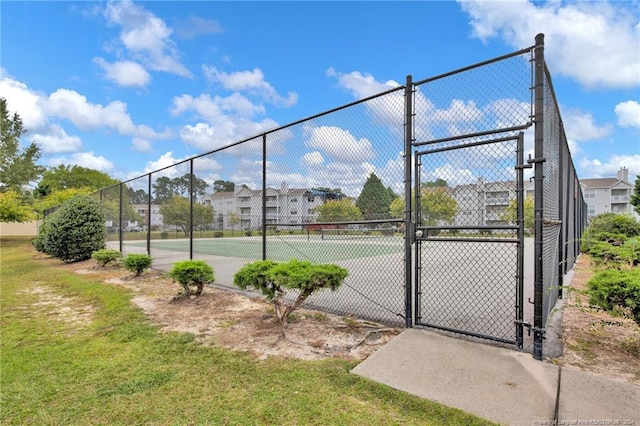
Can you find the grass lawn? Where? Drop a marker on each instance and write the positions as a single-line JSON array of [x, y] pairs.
[[86, 355]]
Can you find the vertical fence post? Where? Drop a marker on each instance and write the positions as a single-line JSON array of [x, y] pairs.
[[520, 248], [120, 218], [408, 228], [191, 198], [264, 196], [562, 187], [538, 333], [149, 216]]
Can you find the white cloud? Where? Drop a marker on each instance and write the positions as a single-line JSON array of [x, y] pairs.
[[581, 126], [458, 111], [211, 109], [165, 160], [195, 26], [141, 145], [23, 101], [56, 140], [41, 115], [361, 85], [72, 106], [595, 168], [146, 37], [341, 145], [311, 159], [226, 120], [454, 176], [84, 159], [628, 114], [594, 42], [124, 73], [252, 82]]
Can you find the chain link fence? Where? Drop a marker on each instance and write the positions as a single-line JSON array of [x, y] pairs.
[[342, 187]]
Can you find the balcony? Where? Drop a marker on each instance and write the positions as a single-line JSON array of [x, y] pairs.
[[620, 199], [497, 201]]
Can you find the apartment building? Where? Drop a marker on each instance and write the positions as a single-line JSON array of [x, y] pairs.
[[242, 208], [604, 195], [482, 203], [609, 195]]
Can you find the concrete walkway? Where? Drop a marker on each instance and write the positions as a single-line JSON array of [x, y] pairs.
[[498, 384]]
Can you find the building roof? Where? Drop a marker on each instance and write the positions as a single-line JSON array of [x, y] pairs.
[[599, 183]]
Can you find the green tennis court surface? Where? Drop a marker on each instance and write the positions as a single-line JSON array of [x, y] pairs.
[[283, 249]]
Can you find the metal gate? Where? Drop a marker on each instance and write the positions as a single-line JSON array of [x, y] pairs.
[[470, 234]]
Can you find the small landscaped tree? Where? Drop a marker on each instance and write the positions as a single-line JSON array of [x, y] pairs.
[[106, 256], [137, 263], [274, 279], [192, 273]]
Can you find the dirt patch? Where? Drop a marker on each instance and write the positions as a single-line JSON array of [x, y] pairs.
[[68, 310], [594, 340], [241, 322]]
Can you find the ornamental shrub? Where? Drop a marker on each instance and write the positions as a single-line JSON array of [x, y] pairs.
[[105, 256], [610, 227], [616, 291], [137, 263], [192, 273], [274, 279], [75, 230]]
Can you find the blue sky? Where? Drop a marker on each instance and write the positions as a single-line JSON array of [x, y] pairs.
[[127, 88]]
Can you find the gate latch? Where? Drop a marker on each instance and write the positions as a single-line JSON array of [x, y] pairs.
[[525, 324]]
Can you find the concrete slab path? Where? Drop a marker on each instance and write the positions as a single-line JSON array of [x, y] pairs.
[[499, 384]]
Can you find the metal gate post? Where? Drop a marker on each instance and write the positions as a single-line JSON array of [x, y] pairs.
[[264, 197], [120, 217], [520, 249], [408, 228], [538, 330], [191, 197]]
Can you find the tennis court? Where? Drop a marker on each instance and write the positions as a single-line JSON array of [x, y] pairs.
[[317, 248]]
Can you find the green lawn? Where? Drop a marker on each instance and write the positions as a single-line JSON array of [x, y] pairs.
[[111, 366]]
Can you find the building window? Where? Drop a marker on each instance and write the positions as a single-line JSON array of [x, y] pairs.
[[590, 193], [294, 200], [591, 210], [294, 211], [311, 199]]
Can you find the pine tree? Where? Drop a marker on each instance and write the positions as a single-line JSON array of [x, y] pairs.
[[635, 197], [374, 200]]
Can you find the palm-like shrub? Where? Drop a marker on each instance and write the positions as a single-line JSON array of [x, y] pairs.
[[274, 279], [137, 263], [192, 273]]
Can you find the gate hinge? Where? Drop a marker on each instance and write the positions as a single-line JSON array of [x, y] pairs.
[[540, 331], [523, 166], [536, 160]]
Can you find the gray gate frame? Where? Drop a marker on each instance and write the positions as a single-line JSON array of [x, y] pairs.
[[423, 233]]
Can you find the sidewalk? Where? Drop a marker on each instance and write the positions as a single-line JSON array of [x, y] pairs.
[[501, 385]]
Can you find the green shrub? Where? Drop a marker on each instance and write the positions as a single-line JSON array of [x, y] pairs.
[[164, 235], [137, 263], [616, 291], [248, 233], [192, 273], [105, 256], [623, 253], [75, 230], [41, 241], [273, 279], [218, 234], [604, 225]]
